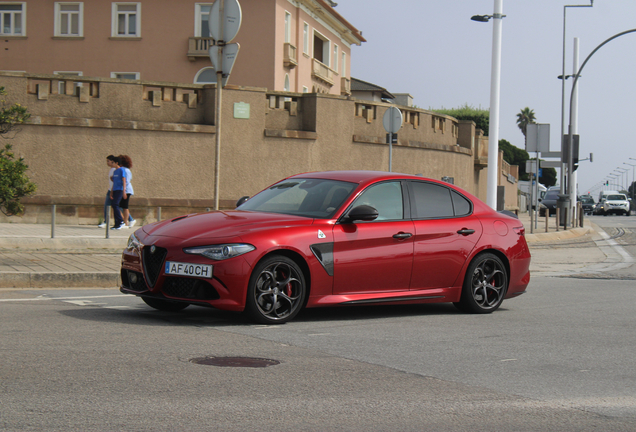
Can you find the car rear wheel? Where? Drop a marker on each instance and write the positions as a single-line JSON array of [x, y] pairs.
[[165, 305], [276, 291], [485, 285]]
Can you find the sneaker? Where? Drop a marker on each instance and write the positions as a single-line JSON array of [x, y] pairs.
[[102, 225], [132, 223], [119, 227]]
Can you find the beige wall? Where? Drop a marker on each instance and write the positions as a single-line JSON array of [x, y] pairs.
[[169, 133]]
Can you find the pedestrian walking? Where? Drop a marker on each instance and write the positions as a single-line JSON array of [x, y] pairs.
[[111, 170], [117, 193], [126, 163]]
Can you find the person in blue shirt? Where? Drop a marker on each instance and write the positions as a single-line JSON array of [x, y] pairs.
[[117, 193], [126, 163]]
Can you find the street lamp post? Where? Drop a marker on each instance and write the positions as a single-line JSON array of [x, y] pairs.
[[495, 81], [622, 172], [563, 78]]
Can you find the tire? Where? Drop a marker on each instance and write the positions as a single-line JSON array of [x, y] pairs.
[[276, 291], [165, 305], [485, 285]]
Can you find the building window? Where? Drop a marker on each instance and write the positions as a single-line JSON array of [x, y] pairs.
[[125, 75], [201, 17], [206, 75], [287, 27], [344, 64], [335, 58], [321, 48], [13, 19], [287, 87], [306, 39], [69, 19], [126, 20]]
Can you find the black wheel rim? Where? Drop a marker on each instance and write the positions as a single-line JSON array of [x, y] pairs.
[[488, 284], [278, 291]]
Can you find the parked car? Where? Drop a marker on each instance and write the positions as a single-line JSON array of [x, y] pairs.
[[588, 204], [549, 201], [614, 204], [332, 239]]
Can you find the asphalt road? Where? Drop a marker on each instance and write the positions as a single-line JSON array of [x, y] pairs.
[[559, 358]]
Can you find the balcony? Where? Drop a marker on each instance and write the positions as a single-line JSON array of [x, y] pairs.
[[322, 72], [345, 86], [198, 47], [289, 55]]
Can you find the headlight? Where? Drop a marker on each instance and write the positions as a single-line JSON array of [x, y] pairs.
[[133, 242], [220, 252]]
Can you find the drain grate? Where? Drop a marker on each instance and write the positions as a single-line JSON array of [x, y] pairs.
[[249, 362]]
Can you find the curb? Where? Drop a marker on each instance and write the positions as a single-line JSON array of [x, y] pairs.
[[59, 280], [558, 235], [81, 245]]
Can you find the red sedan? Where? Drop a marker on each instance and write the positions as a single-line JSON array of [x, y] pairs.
[[332, 238]]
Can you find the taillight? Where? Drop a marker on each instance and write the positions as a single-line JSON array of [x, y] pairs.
[[520, 230]]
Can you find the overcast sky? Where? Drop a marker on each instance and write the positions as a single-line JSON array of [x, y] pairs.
[[432, 50]]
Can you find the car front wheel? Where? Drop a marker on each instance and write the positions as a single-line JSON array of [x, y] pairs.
[[485, 285], [276, 291]]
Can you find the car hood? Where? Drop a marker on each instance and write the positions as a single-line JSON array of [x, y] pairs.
[[222, 224]]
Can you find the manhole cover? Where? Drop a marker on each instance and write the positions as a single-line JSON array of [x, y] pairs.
[[235, 362]]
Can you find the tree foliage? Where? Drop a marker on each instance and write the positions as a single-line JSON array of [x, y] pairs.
[[480, 116], [525, 117], [14, 184], [515, 156]]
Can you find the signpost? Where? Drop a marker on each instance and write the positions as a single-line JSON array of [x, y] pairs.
[[224, 22], [392, 122]]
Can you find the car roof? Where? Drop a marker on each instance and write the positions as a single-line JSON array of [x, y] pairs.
[[359, 176]]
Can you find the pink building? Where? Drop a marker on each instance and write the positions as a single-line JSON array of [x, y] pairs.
[[286, 45]]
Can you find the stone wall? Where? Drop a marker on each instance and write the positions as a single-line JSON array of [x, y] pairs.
[[169, 132]]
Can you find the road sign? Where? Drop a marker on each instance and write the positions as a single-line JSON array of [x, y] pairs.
[[230, 51], [392, 120], [537, 137], [232, 18]]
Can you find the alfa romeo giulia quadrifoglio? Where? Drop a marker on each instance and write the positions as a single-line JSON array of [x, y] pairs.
[[339, 238]]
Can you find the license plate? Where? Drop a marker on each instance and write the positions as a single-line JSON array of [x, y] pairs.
[[187, 269]]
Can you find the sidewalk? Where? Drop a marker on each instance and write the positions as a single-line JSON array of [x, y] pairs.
[[81, 256]]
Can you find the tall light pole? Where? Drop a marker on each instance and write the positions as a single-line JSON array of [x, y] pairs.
[[495, 83], [564, 165], [622, 172]]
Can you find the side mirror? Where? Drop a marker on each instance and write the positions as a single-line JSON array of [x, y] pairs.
[[361, 213], [242, 201]]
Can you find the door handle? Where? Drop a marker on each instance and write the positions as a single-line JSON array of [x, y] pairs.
[[402, 236], [466, 231]]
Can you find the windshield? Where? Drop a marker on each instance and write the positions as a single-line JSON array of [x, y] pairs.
[[616, 198], [587, 200], [551, 195], [314, 198]]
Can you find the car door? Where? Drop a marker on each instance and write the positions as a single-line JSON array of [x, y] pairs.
[[375, 256], [445, 234]]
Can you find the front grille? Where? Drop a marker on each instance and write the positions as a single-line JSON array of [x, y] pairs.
[[153, 263], [189, 288]]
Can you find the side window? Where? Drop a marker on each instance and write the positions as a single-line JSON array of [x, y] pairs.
[[431, 201], [461, 205], [386, 198]]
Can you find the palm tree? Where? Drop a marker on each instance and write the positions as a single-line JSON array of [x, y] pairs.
[[525, 117]]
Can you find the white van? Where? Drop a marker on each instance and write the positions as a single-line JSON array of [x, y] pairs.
[[525, 185]]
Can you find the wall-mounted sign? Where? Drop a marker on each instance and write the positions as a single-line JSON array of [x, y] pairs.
[[241, 110]]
